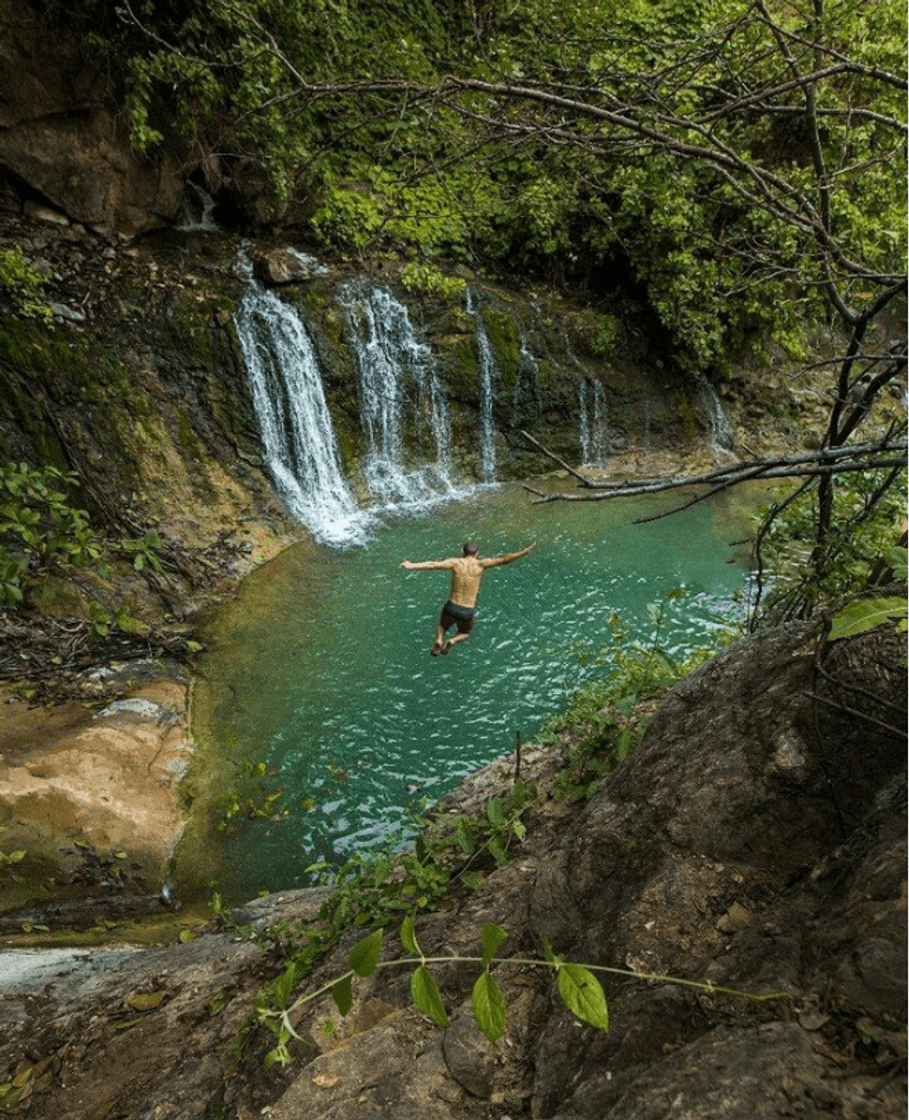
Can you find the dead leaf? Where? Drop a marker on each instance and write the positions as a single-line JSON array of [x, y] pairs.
[[326, 1080]]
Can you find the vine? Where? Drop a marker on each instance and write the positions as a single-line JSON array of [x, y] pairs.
[[577, 985]]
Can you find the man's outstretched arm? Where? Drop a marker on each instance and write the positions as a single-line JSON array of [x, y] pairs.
[[426, 564], [507, 557]]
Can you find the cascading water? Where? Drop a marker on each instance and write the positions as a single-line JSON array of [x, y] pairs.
[[647, 408], [400, 393], [711, 410], [526, 407], [487, 374], [296, 428], [198, 210], [592, 410]]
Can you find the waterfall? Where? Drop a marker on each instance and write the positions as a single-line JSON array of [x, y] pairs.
[[401, 395], [487, 372], [592, 423], [525, 407], [197, 210], [297, 434], [583, 422], [711, 411]]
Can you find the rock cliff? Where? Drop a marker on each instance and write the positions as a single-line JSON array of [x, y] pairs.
[[755, 840], [64, 141]]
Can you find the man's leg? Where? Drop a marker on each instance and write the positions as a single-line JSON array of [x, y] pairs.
[[446, 648], [465, 629], [438, 644]]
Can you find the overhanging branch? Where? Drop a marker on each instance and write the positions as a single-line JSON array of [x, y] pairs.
[[810, 464]]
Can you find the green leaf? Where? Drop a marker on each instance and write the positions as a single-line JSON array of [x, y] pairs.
[[497, 851], [582, 995], [342, 992], [488, 1005], [285, 985], [493, 936], [279, 1054], [408, 938], [465, 836], [495, 813], [897, 559], [364, 956], [426, 996], [866, 614]]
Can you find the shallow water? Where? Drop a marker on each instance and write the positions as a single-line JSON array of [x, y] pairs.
[[321, 665]]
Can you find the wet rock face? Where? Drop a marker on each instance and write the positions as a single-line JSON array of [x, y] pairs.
[[59, 135]]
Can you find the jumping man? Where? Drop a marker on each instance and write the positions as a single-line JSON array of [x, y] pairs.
[[466, 572]]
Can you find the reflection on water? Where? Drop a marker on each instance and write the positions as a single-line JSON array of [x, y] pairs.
[[322, 664]]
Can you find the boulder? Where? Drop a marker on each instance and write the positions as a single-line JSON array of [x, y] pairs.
[[275, 267]]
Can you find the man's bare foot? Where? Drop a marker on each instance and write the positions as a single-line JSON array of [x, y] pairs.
[[436, 649], [446, 649]]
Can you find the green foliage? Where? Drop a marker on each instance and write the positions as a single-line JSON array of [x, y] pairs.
[[42, 530], [424, 279], [383, 128], [23, 284], [142, 551], [863, 615], [102, 620], [577, 985], [378, 887], [253, 798], [604, 335], [604, 715], [868, 508]]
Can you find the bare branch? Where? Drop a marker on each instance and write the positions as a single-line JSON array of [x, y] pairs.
[[826, 461]]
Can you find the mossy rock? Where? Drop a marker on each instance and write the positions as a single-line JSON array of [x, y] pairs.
[[505, 343]]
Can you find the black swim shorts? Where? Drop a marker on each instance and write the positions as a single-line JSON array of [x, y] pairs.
[[453, 614]]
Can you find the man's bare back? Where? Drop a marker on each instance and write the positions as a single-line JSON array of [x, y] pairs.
[[466, 573]]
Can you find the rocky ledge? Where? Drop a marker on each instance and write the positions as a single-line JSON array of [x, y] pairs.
[[90, 800], [756, 839]]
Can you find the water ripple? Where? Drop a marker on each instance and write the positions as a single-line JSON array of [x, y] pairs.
[[368, 724]]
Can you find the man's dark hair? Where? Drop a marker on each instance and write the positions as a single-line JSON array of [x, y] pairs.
[[471, 548]]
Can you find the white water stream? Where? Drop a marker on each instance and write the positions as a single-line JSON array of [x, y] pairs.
[[293, 417], [400, 394]]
